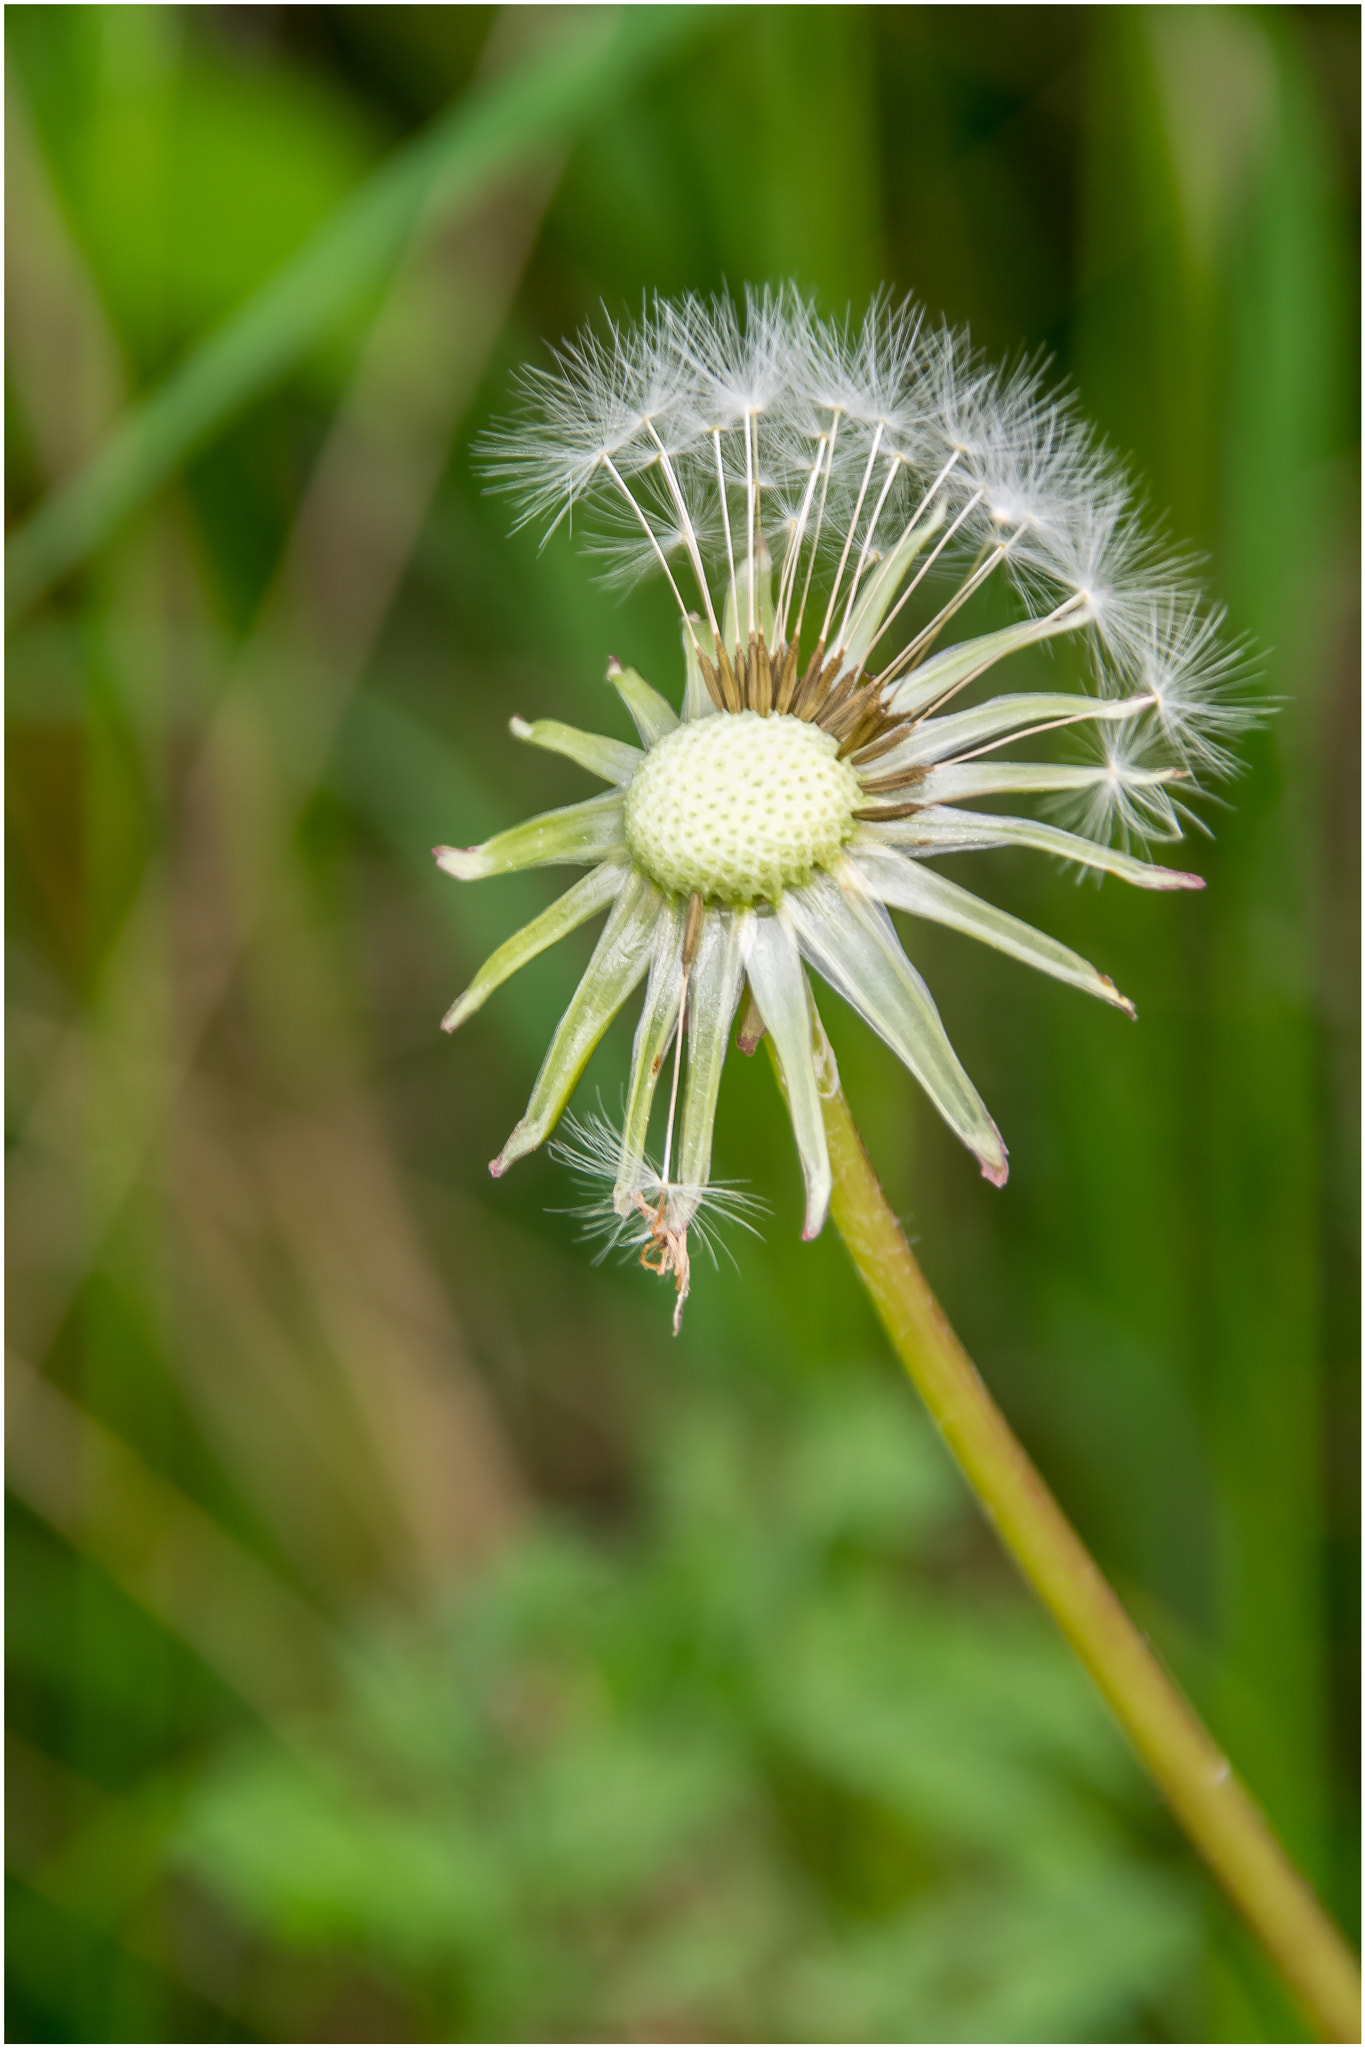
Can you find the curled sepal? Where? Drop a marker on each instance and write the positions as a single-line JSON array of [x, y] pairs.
[[937, 739], [573, 837], [850, 939], [653, 1036], [956, 782], [654, 716], [942, 830], [779, 986], [613, 760], [621, 957], [697, 699], [712, 993], [568, 911], [905, 884], [962, 663]]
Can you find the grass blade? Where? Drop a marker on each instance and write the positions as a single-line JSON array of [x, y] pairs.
[[485, 134]]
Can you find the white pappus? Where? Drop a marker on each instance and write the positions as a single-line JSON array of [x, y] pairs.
[[823, 500]]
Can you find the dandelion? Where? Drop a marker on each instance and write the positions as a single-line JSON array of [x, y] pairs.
[[823, 501]]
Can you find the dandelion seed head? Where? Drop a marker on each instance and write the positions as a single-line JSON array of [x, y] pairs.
[[825, 499]]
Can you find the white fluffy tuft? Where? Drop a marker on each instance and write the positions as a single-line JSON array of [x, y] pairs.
[[590, 1147], [703, 437]]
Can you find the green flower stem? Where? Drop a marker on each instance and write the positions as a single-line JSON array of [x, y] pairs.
[[1217, 1813]]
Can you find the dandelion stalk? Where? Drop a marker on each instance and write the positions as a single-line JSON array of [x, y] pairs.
[[1216, 1811]]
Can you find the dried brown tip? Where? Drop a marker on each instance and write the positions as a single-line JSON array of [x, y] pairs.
[[696, 910], [751, 1028]]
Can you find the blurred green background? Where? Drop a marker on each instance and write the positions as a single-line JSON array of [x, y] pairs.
[[407, 1638]]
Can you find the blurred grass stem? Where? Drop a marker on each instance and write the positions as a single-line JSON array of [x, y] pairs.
[[1217, 1813], [483, 138]]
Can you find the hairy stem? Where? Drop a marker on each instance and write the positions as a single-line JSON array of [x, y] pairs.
[[1217, 1813]]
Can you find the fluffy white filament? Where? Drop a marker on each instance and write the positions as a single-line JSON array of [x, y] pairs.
[[707, 444]]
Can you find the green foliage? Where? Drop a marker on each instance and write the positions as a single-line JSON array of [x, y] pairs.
[[744, 1776], [194, 171], [302, 303]]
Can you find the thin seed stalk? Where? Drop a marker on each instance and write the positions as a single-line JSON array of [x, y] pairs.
[[1216, 1811]]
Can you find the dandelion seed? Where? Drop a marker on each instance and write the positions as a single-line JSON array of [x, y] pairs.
[[823, 502], [652, 1228], [1197, 682]]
